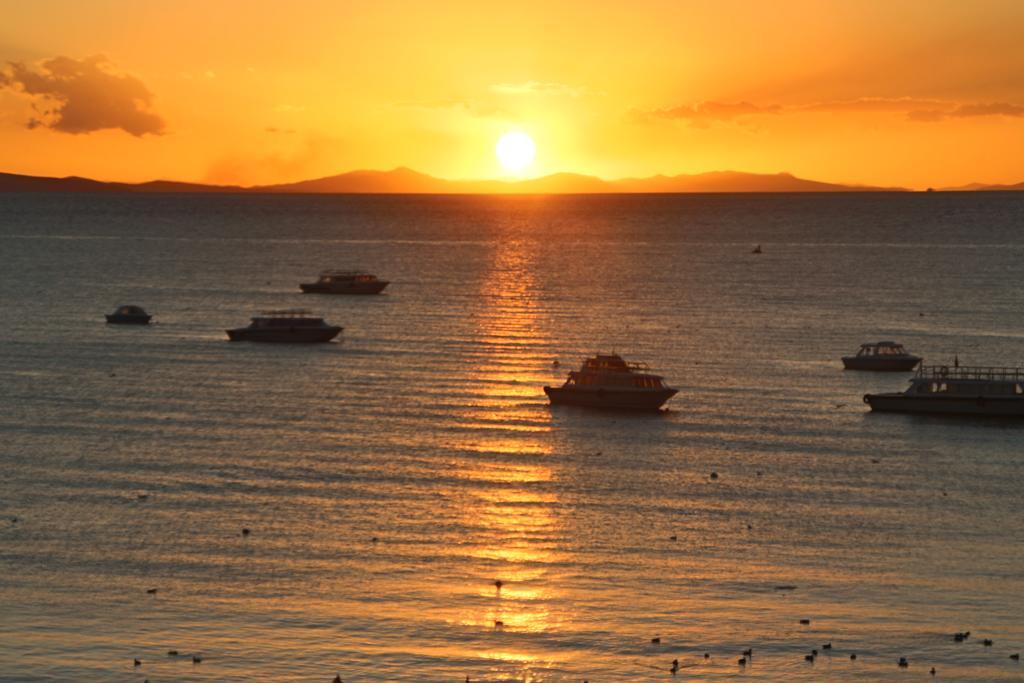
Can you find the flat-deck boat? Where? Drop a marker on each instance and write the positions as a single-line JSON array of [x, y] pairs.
[[292, 326], [883, 356], [345, 282], [960, 390], [607, 381], [129, 315]]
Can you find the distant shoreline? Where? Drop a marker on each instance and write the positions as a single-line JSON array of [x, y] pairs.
[[407, 182]]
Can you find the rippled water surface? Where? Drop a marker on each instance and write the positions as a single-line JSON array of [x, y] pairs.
[[389, 480]]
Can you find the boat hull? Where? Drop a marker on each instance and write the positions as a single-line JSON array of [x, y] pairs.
[[115, 319], [615, 399], [352, 288], [949, 405], [296, 335], [881, 364]]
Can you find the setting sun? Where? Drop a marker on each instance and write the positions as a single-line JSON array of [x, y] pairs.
[[515, 151]]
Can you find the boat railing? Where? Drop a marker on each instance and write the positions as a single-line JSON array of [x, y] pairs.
[[287, 313], [970, 372], [342, 273]]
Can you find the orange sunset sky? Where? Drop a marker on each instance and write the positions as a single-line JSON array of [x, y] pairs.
[[893, 92]]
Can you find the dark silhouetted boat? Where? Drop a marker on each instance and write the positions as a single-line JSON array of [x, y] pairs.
[[286, 327], [607, 381], [883, 356], [345, 282], [960, 390], [129, 315]]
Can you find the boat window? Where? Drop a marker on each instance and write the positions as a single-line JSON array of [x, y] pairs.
[[1017, 389], [943, 387]]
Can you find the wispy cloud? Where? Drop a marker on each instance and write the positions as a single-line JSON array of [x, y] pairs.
[[706, 113], [537, 88], [82, 96], [914, 109], [968, 111], [468, 108]]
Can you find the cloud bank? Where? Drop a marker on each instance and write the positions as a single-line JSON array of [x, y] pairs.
[[82, 96], [914, 109]]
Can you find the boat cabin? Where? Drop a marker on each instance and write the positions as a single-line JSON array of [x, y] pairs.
[[329, 276], [288, 318], [882, 348], [612, 370], [967, 381], [130, 311]]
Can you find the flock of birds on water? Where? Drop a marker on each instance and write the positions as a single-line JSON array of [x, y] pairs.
[[746, 656]]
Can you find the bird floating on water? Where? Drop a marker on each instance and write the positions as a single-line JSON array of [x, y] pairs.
[[196, 659], [656, 640], [749, 652], [1015, 656], [151, 591], [138, 662], [675, 666], [742, 661], [808, 658], [853, 655], [805, 622], [827, 646], [903, 663], [172, 653], [498, 584]]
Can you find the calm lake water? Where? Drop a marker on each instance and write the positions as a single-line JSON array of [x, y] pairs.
[[390, 479]]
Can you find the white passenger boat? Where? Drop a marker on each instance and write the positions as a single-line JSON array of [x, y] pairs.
[[883, 356], [954, 389], [607, 381]]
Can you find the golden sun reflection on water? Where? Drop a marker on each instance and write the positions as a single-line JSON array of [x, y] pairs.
[[510, 507]]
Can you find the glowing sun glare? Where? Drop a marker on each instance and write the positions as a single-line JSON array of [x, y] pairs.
[[515, 151]]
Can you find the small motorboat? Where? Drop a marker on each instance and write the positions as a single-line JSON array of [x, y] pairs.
[[345, 282], [958, 390], [129, 315], [883, 356], [286, 327], [607, 381]]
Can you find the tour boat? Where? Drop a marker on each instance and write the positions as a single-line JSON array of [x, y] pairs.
[[345, 282], [955, 389], [883, 356], [607, 381], [292, 326], [129, 315]]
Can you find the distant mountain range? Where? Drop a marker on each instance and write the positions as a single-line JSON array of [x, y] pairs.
[[983, 187], [407, 181]]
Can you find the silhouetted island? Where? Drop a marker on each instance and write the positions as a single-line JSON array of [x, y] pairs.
[[407, 181]]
